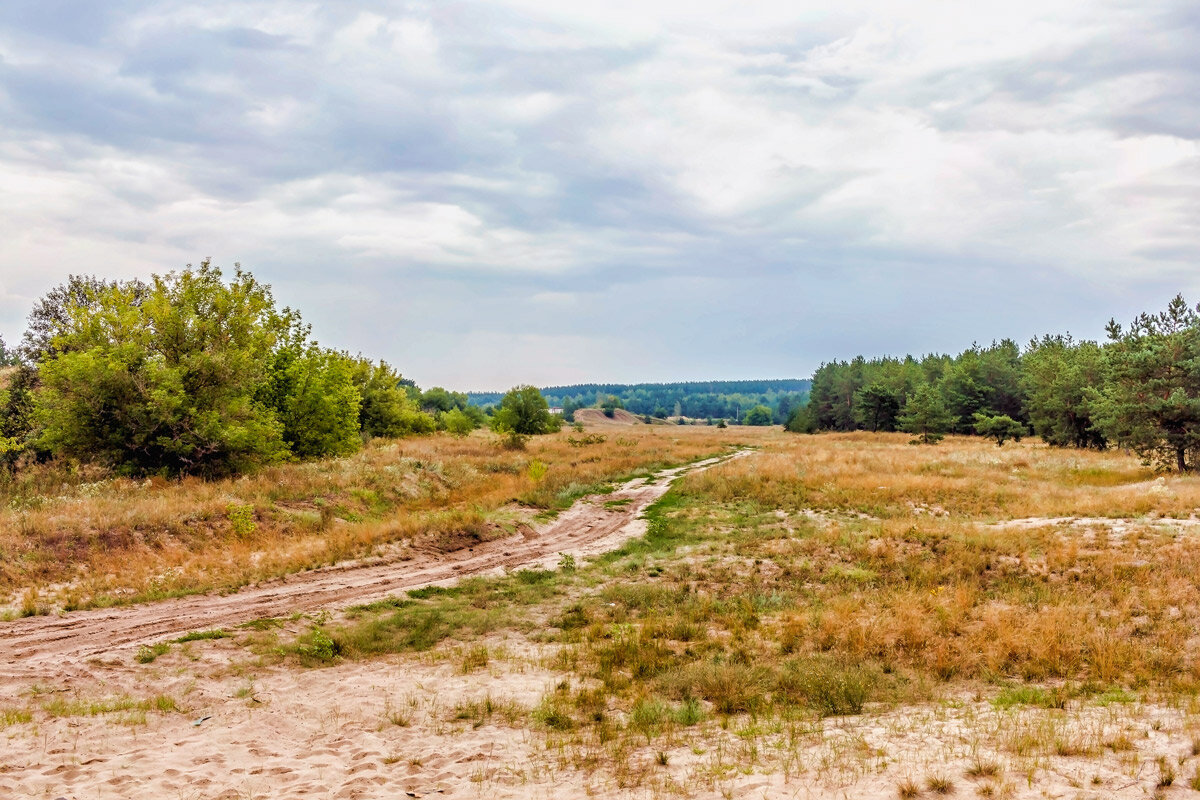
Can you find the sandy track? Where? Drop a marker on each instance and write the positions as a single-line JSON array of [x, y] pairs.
[[61, 646]]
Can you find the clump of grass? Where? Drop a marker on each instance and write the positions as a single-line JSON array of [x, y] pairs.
[[1166, 772], [148, 652], [475, 658], [908, 789], [940, 784], [201, 636], [1054, 697], [983, 769], [15, 716], [315, 646], [829, 688], [553, 714], [78, 706]]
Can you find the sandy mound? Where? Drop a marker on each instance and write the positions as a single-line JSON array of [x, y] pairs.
[[594, 416]]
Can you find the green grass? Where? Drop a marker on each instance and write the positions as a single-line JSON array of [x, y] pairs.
[[201, 636], [83, 707], [148, 652]]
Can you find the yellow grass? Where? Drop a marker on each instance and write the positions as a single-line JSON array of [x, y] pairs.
[[75, 537]]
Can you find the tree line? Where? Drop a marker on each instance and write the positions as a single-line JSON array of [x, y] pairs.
[[190, 374], [714, 400], [1140, 390]]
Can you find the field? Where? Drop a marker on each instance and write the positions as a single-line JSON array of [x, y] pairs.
[[835, 615]]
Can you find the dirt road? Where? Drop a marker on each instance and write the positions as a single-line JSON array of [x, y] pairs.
[[59, 646]]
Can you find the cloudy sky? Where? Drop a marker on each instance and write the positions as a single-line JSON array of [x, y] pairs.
[[519, 191]]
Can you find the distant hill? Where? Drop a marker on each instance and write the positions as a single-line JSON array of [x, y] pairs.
[[696, 399]]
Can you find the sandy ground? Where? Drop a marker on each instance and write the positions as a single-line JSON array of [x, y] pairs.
[[414, 727], [63, 645], [424, 726]]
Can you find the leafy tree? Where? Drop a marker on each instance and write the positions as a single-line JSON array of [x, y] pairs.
[[160, 377], [1151, 402], [8, 356], [875, 408], [525, 412], [1060, 379], [925, 414], [17, 429], [456, 422], [802, 420], [760, 416], [438, 399], [316, 400], [610, 404], [56, 312], [387, 407], [569, 407], [1000, 427]]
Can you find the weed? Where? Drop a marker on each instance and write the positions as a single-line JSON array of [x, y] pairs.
[[148, 652], [201, 636], [983, 769], [241, 520], [475, 658], [1166, 772], [940, 784], [15, 716]]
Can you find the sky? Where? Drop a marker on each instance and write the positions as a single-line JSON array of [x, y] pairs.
[[487, 194]]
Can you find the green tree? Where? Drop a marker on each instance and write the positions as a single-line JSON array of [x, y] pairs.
[[875, 408], [163, 379], [925, 415], [801, 420], [387, 407], [317, 402], [456, 422], [8, 356], [759, 415], [1000, 427], [1061, 378], [17, 428], [1151, 402], [610, 404], [523, 411]]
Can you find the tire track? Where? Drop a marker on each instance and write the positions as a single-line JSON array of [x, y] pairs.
[[58, 646]]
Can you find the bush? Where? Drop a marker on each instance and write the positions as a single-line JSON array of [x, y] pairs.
[[165, 378], [524, 412]]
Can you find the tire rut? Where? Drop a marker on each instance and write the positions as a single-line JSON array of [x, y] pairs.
[[59, 646]]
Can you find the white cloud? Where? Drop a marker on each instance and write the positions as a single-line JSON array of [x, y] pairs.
[[555, 151]]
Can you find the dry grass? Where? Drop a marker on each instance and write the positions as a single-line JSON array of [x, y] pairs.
[[76, 538], [845, 575]]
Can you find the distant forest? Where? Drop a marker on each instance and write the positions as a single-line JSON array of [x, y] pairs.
[[730, 400], [1140, 390]]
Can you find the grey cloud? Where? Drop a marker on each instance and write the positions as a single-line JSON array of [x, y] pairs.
[[720, 195]]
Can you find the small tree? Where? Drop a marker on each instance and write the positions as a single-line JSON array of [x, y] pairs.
[[388, 408], [8, 356], [610, 405], [760, 415], [456, 422], [875, 408], [523, 411], [1001, 427], [1151, 402], [926, 416], [802, 420]]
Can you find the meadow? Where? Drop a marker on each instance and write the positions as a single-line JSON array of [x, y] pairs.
[[839, 612], [75, 536]]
